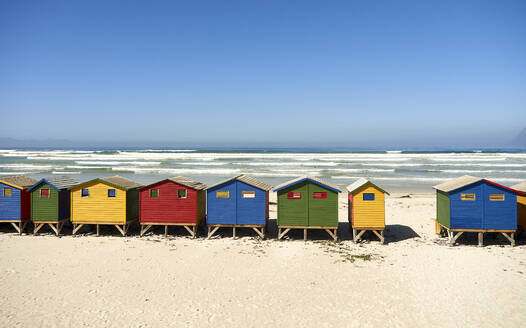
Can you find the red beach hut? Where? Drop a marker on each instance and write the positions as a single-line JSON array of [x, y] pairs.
[[176, 201]]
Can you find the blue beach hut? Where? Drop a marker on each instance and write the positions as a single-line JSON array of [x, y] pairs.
[[15, 202], [241, 201], [471, 204]]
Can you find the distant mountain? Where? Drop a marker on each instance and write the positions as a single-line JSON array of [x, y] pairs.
[[520, 140], [23, 143]]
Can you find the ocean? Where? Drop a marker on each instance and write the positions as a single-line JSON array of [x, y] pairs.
[[398, 169]]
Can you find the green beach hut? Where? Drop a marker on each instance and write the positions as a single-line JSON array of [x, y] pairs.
[[50, 202], [307, 203]]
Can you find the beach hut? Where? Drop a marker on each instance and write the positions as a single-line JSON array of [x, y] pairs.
[[307, 203], [366, 208], [176, 201], [15, 202], [105, 201], [471, 204], [50, 202], [238, 202], [521, 205]]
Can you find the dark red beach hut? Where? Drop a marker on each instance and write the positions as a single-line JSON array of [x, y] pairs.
[[176, 201]]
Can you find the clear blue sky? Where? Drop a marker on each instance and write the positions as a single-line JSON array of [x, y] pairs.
[[292, 72]]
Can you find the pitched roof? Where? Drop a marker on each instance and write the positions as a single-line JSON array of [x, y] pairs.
[[57, 182], [308, 178], [360, 183], [457, 183], [18, 181], [115, 181], [246, 179], [467, 180], [188, 183], [520, 186]]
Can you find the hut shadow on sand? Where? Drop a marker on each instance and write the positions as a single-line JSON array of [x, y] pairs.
[[396, 232], [393, 233]]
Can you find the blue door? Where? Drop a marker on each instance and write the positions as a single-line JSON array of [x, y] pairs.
[[500, 208], [10, 202], [250, 205], [221, 204], [467, 207]]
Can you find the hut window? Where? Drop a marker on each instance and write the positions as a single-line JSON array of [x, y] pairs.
[[294, 195], [44, 193], [368, 196], [467, 197], [7, 192], [249, 194], [222, 194], [112, 193], [84, 193], [154, 193], [496, 197], [319, 195], [181, 193]]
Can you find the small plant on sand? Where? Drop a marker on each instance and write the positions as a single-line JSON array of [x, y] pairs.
[[345, 252]]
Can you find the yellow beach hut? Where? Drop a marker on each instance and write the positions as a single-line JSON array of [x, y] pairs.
[[366, 208], [521, 205], [105, 201]]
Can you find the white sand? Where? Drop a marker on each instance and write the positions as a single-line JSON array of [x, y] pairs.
[[414, 280]]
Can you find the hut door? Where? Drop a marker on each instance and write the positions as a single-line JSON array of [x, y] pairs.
[[250, 205], [222, 209], [499, 208], [293, 206], [322, 207], [467, 207]]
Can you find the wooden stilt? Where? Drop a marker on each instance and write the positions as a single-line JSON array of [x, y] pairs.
[[17, 227], [234, 232], [60, 225], [55, 229], [118, 228], [165, 231], [453, 238], [211, 233], [194, 231], [510, 238], [189, 230], [359, 235], [379, 235], [260, 233], [145, 228], [76, 228], [98, 230], [282, 234], [305, 234], [38, 226], [333, 235], [481, 239], [354, 235]]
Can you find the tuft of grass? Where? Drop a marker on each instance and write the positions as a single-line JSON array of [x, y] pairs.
[[344, 252]]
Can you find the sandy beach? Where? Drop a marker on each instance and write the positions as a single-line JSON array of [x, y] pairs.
[[413, 280]]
